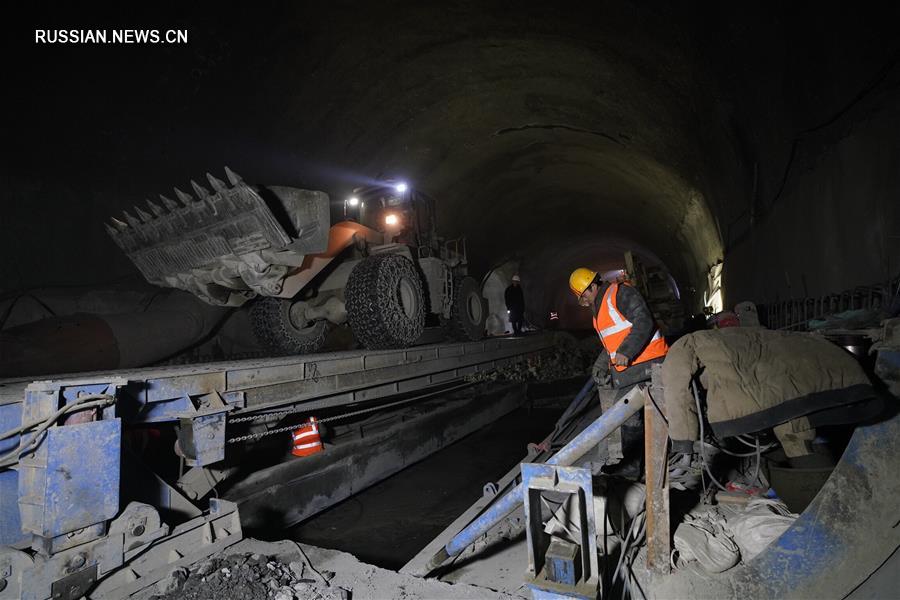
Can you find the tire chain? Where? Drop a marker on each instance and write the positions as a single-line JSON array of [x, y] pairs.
[[271, 324], [376, 316], [459, 324], [263, 416]]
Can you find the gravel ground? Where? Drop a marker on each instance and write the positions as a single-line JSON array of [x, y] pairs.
[[255, 570], [566, 359], [249, 577]]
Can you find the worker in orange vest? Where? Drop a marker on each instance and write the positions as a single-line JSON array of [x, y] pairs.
[[632, 343], [624, 323]]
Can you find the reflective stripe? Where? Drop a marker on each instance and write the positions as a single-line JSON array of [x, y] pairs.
[[305, 446], [306, 439], [613, 327], [619, 324]]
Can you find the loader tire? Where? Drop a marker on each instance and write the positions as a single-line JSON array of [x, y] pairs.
[[385, 303], [468, 312], [277, 332]]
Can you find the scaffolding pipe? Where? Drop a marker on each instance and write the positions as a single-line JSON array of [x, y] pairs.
[[592, 435], [576, 404]]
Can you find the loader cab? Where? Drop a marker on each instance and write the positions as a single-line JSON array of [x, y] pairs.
[[403, 214]]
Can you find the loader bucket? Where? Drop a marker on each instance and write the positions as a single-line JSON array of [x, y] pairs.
[[226, 245]]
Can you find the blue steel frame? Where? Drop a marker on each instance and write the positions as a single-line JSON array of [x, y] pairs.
[[71, 481], [577, 481], [849, 529]]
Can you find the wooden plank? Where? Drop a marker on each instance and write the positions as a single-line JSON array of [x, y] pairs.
[[656, 438]]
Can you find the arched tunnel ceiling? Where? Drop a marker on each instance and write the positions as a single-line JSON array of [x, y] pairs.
[[533, 126], [542, 129], [528, 139]]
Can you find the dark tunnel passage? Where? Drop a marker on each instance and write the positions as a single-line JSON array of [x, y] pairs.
[[265, 349], [696, 133]]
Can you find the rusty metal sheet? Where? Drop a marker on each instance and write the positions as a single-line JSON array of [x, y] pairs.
[[265, 375], [184, 385], [329, 366]]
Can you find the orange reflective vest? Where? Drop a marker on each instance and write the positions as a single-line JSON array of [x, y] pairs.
[[612, 327]]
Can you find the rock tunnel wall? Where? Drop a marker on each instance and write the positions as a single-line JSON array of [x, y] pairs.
[[552, 134], [816, 111]]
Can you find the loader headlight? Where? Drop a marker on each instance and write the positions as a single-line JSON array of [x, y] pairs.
[[353, 201], [391, 220], [401, 187]]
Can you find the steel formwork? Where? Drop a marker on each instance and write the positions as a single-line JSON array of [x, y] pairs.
[[61, 445]]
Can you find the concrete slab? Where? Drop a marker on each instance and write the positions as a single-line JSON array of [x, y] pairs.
[[500, 566]]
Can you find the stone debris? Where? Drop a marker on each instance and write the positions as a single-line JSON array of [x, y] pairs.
[[568, 358], [249, 577]]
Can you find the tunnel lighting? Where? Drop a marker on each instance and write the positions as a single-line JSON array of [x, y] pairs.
[[391, 220], [353, 201], [401, 187]]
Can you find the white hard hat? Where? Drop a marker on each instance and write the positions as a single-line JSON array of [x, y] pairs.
[[516, 278]]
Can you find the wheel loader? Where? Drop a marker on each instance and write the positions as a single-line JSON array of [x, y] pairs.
[[381, 268]]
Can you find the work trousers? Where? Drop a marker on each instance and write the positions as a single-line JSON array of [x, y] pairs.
[[626, 445], [517, 327]]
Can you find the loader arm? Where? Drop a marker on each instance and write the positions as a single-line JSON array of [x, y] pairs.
[[340, 237]]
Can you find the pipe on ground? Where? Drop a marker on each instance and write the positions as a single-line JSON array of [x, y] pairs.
[[173, 322]]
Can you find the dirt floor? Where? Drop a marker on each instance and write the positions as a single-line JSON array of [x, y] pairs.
[[256, 570]]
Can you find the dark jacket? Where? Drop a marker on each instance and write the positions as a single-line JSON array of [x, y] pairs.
[[631, 304], [515, 302]]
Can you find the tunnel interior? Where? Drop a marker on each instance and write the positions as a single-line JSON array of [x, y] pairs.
[[759, 141], [696, 134]]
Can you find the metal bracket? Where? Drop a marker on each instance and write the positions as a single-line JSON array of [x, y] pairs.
[[74, 586], [582, 570], [201, 436], [137, 552], [187, 544], [490, 489]]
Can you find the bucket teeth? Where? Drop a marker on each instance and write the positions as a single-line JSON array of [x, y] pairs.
[[217, 184], [233, 177], [201, 192], [156, 208], [186, 199], [144, 215], [169, 203], [131, 220], [111, 230], [119, 224]]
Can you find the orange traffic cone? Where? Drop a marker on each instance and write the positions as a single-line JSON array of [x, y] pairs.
[[306, 439]]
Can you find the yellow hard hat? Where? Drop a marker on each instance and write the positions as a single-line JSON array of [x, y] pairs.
[[580, 279]]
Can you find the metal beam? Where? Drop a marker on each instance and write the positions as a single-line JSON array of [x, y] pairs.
[[656, 440], [318, 381]]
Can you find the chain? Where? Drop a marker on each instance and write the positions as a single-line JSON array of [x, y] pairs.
[[253, 436], [264, 416]]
